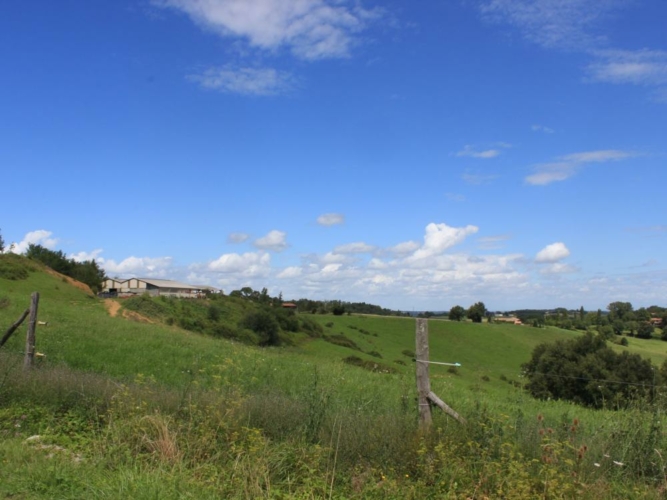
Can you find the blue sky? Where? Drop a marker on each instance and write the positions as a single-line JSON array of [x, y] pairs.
[[415, 155]]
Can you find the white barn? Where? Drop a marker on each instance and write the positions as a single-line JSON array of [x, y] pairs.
[[151, 286]]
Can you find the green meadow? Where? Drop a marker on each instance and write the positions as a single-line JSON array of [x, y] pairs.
[[124, 408]]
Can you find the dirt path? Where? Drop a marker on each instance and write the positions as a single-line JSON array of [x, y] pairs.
[[112, 306]]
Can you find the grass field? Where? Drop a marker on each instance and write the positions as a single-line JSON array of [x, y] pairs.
[[152, 411]]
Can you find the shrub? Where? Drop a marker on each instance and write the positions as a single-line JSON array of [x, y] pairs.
[[329, 324], [375, 354], [10, 269], [342, 341], [264, 324], [311, 327], [408, 353], [372, 366]]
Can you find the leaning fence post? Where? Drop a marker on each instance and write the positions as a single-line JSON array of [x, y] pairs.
[[30, 337], [423, 383]]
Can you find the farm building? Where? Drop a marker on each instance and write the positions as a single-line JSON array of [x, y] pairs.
[[155, 287]]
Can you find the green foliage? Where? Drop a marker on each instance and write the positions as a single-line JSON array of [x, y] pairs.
[[645, 330], [341, 340], [457, 313], [265, 325], [620, 311], [372, 366], [87, 272], [476, 312], [2, 244], [588, 372], [12, 267]]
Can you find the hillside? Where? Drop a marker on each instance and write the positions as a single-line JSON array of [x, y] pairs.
[[177, 414]]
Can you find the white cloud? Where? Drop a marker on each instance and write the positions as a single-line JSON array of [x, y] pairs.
[[473, 153], [237, 237], [542, 128], [155, 267], [245, 81], [440, 237], [558, 268], [568, 24], [250, 264], [310, 29], [405, 248], [569, 165], [274, 240], [639, 67], [290, 272], [331, 219], [356, 247], [83, 256], [40, 237], [552, 253], [492, 242]]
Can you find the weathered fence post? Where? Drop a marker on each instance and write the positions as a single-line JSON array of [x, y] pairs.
[[425, 396], [423, 382], [30, 338]]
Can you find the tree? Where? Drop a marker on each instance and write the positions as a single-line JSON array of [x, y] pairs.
[[621, 311], [264, 324], [587, 371], [457, 313], [2, 244], [476, 312], [645, 330]]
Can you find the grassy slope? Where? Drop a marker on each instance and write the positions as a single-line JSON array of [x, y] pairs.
[[82, 335]]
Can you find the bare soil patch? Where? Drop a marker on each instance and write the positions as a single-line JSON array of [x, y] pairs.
[[112, 307], [73, 282]]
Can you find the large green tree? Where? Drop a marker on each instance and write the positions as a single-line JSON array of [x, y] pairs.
[[620, 311], [476, 312], [587, 371], [2, 244], [457, 313]]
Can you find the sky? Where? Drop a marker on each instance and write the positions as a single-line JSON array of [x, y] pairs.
[[416, 155]]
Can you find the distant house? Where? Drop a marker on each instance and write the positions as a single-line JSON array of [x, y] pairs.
[[656, 321], [507, 319], [290, 305], [151, 286]]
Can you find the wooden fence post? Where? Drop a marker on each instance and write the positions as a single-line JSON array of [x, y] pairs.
[[425, 396], [423, 382], [30, 338]]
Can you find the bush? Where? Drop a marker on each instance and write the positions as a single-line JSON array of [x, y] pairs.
[[12, 268], [311, 327], [264, 324], [369, 365], [342, 341], [375, 354], [588, 372]]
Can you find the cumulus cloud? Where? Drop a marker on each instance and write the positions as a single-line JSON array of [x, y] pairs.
[[237, 237], [40, 237], [154, 267], [569, 165], [290, 272], [84, 256], [405, 248], [275, 241], [250, 264], [331, 219], [310, 29], [245, 81], [356, 247], [552, 253], [440, 237]]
